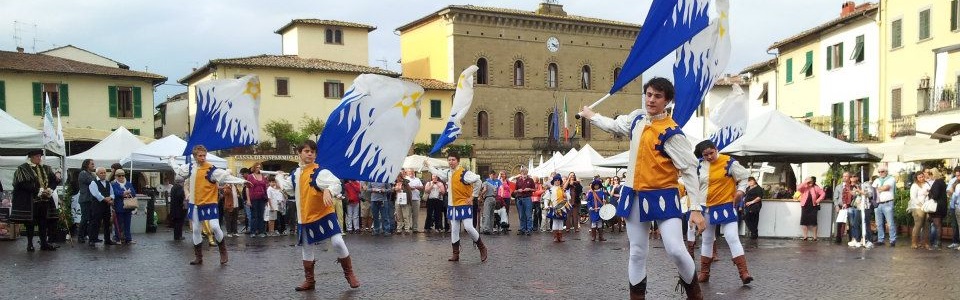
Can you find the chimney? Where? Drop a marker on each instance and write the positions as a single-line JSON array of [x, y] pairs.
[[551, 7], [847, 8], [19, 49]]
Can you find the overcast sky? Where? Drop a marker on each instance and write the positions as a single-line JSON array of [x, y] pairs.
[[171, 37]]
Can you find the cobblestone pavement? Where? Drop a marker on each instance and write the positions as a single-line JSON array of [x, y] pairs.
[[415, 266]]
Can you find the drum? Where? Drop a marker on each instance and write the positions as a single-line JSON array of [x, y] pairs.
[[607, 212]]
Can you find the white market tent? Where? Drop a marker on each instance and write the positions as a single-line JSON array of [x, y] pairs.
[[17, 135], [582, 164], [775, 137], [551, 165], [153, 156], [619, 160], [116, 146], [416, 162], [932, 151], [895, 149]]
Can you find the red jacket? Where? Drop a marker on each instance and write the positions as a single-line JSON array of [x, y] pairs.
[[352, 189], [805, 193]]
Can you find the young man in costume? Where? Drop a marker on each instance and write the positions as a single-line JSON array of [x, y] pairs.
[[460, 211]]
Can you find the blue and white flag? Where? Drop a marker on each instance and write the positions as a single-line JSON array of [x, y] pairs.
[[461, 104], [228, 114], [730, 117], [369, 133], [669, 24], [699, 63], [52, 134]]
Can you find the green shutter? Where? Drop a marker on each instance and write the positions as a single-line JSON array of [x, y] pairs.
[[809, 65], [112, 92], [37, 99], [829, 58], [435, 108], [840, 56], [924, 24], [851, 125], [953, 15], [866, 117], [3, 96], [789, 70], [137, 103], [896, 28], [64, 100], [135, 131]]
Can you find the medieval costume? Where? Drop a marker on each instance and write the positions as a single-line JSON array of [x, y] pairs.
[[33, 201], [460, 209], [202, 205], [556, 199], [596, 198]]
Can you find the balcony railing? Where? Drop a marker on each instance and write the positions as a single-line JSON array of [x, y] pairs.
[[937, 100], [550, 144], [842, 130], [903, 126]]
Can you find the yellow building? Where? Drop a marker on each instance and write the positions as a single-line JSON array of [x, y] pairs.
[[920, 74], [91, 99], [530, 61]]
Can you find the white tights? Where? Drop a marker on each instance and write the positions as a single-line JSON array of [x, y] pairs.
[[309, 251], [556, 224], [195, 227], [672, 236], [467, 225], [729, 233]]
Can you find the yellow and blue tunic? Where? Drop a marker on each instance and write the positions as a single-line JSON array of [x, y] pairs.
[[461, 192], [555, 196], [594, 203], [202, 182], [311, 186], [655, 183], [721, 179]]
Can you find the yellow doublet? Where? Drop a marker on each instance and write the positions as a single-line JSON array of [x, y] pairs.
[[722, 187], [653, 169], [312, 206], [204, 191], [462, 192]]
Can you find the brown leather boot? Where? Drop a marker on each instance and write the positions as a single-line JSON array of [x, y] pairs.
[[741, 262], [456, 252], [593, 235], [309, 282], [600, 235], [692, 289], [705, 269], [690, 247], [347, 266], [222, 247], [482, 248], [639, 291], [556, 237], [560, 236], [198, 253]]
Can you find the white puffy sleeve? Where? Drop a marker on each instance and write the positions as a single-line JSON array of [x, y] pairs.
[[740, 174], [286, 181], [223, 176], [620, 125], [441, 174], [180, 170], [327, 181], [681, 153], [470, 177]]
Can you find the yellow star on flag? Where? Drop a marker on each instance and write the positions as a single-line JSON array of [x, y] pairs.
[[253, 89], [406, 108]]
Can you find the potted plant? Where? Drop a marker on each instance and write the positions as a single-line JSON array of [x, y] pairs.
[[903, 218]]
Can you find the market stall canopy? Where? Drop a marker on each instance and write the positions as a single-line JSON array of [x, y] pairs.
[[110, 150], [153, 156], [17, 135], [894, 150], [619, 160], [9, 165], [551, 165], [775, 137], [416, 162], [582, 164], [932, 151]]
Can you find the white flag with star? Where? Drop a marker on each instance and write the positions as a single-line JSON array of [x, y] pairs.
[[370, 132]]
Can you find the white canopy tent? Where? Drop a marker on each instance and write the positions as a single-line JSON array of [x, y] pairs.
[[416, 162], [775, 137], [17, 135], [153, 156], [932, 151], [110, 150], [582, 164], [551, 165]]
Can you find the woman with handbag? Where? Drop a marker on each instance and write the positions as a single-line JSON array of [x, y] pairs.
[[123, 189], [919, 193], [938, 194]]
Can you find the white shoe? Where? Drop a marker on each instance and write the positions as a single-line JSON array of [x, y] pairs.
[[854, 244]]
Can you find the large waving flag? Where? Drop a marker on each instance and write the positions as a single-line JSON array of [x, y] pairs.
[[730, 116], [462, 100], [566, 124], [228, 113], [669, 24], [52, 136], [699, 63], [555, 133], [369, 133]]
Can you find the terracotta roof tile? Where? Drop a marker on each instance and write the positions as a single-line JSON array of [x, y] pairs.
[[859, 12], [763, 65], [325, 23], [432, 84], [728, 80], [291, 62], [517, 12], [29, 62]]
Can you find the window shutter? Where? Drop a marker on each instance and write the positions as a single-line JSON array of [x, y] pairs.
[[840, 56], [896, 28], [789, 70], [866, 117], [37, 99], [3, 96], [435, 108], [953, 15], [112, 92], [137, 104], [829, 58], [851, 125], [64, 100]]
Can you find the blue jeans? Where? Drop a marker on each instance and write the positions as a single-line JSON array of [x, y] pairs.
[[257, 211], [956, 233], [853, 224], [524, 208], [376, 212], [884, 215], [389, 217], [123, 223], [246, 212]]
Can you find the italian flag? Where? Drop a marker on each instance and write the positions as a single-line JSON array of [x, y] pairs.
[[566, 126]]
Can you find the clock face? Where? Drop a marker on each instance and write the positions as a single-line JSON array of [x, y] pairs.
[[553, 44]]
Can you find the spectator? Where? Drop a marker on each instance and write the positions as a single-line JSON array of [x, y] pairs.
[[860, 200], [505, 190], [230, 204], [938, 192], [953, 190], [575, 189], [257, 200], [841, 198], [535, 201], [178, 208], [244, 193], [401, 189], [101, 191], [919, 192], [753, 198], [122, 190], [416, 190], [810, 196], [381, 208], [434, 190], [885, 186], [488, 194], [274, 197], [85, 177], [615, 190], [352, 191], [524, 190]]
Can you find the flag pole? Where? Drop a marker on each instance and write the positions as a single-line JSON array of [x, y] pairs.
[[594, 104]]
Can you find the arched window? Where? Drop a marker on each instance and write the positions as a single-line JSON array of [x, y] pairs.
[[518, 125], [338, 36], [584, 128], [482, 71], [616, 73], [551, 127], [329, 36], [585, 77], [483, 124], [552, 76], [518, 73]]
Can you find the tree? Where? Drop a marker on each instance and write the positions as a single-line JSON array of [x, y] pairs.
[[311, 126], [280, 130]]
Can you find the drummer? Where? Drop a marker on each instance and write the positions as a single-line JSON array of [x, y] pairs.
[[596, 198], [557, 205]]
